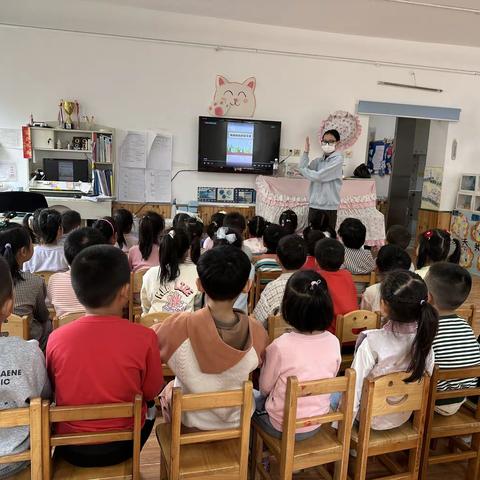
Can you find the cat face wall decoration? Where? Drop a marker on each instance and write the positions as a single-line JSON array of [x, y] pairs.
[[233, 98]]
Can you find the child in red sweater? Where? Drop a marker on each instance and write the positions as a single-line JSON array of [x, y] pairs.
[[330, 255]]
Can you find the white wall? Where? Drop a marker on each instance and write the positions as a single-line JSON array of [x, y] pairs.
[[142, 84]]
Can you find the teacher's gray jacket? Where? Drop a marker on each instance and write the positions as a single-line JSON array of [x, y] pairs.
[[325, 175]]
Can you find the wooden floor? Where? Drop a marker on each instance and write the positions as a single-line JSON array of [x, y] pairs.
[[150, 458]]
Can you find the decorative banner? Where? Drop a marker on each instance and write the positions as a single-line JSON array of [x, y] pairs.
[[347, 125], [27, 142], [233, 98]]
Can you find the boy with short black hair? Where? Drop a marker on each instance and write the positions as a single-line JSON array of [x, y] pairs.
[[60, 292], [330, 255], [292, 253], [215, 348], [71, 220], [311, 238], [455, 345], [399, 235], [389, 258], [358, 261], [102, 358], [23, 376], [268, 262]]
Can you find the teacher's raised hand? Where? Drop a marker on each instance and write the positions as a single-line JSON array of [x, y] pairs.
[[307, 145]]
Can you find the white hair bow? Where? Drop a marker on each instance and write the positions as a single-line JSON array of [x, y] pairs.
[[171, 233], [222, 235]]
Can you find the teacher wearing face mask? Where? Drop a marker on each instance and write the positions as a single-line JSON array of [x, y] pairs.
[[325, 175]]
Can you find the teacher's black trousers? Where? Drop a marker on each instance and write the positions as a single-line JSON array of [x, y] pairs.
[[331, 214]]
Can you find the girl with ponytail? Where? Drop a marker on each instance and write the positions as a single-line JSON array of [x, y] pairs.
[[29, 290], [146, 253], [48, 256], [310, 352], [216, 222], [172, 285], [256, 226], [106, 226], [403, 344], [434, 246], [124, 224]]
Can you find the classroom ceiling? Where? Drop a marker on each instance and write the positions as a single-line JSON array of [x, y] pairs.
[[436, 21]]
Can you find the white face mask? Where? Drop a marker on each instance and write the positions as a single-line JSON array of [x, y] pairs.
[[328, 149]]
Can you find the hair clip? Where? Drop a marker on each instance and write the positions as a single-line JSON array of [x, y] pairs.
[[222, 235], [428, 234], [422, 302], [315, 283], [171, 233]]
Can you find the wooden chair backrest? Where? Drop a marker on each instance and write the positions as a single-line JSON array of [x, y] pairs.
[[277, 326], [16, 326], [369, 278], [45, 275], [136, 280], [69, 317], [261, 281], [390, 394], [296, 390], [206, 401], [152, 318], [454, 374], [467, 312], [350, 325], [53, 414], [32, 417]]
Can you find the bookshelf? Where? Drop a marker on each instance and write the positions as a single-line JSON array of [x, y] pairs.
[[78, 154], [94, 147]]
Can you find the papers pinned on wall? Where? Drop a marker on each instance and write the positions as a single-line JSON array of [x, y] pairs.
[[145, 167]]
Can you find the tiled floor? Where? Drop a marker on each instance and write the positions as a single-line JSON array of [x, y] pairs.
[[150, 459]]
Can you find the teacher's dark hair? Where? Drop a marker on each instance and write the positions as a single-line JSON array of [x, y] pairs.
[[332, 132]]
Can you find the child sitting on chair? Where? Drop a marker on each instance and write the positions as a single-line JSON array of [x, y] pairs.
[[309, 352], [455, 345], [268, 261], [172, 286], [435, 246], [146, 253], [256, 228], [71, 220], [403, 344], [292, 253], [358, 260], [330, 255], [215, 348], [60, 292], [29, 299], [23, 375], [389, 258], [48, 256], [101, 357]]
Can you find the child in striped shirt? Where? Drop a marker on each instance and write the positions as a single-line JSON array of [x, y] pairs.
[[455, 345]]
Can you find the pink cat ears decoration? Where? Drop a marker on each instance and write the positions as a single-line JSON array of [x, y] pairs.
[[348, 127], [233, 98]]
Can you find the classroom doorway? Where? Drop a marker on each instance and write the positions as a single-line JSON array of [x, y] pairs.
[[397, 152]]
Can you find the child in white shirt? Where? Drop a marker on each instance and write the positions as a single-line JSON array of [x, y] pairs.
[[49, 255]]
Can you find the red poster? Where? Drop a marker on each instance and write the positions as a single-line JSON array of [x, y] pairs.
[[27, 142]]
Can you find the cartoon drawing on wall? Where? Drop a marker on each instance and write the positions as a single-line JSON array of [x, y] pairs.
[[233, 98]]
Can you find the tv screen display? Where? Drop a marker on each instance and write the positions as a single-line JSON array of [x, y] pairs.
[[238, 145]]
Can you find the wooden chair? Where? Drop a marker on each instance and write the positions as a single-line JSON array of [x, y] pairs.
[[57, 468], [134, 306], [326, 446], [64, 319], [277, 326], [464, 423], [16, 326], [205, 454], [262, 279], [349, 327], [45, 275], [152, 319], [383, 396], [369, 278], [32, 417], [467, 312]]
